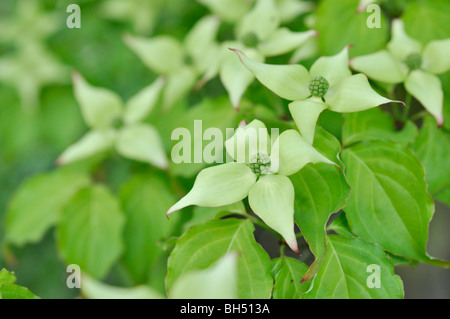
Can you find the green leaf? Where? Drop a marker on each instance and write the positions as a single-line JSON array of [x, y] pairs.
[[320, 190], [8, 290], [203, 214], [93, 289], [38, 203], [348, 27], [345, 274], [204, 244], [427, 20], [327, 144], [389, 203], [90, 231], [7, 277], [375, 124], [217, 282], [341, 227], [332, 122], [12, 291], [289, 273], [433, 149], [144, 200]]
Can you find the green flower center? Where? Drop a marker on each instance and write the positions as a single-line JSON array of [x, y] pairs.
[[414, 61], [250, 40], [260, 164], [318, 86]]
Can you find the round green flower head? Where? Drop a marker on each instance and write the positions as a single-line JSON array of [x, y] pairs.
[[414, 61], [250, 40], [318, 86], [260, 163]]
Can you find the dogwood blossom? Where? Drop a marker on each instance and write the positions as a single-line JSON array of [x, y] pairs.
[[260, 171]]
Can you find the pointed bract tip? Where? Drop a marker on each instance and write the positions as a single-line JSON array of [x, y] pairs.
[[59, 162], [304, 279], [361, 8], [294, 247], [76, 76], [349, 46], [200, 83], [440, 122], [350, 62], [164, 167], [238, 52], [126, 37], [403, 103], [242, 123], [316, 34]]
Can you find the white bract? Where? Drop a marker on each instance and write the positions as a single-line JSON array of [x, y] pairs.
[[407, 61], [143, 14], [260, 172], [29, 70], [180, 63], [30, 66], [219, 281], [101, 109], [329, 84], [234, 10], [259, 35]]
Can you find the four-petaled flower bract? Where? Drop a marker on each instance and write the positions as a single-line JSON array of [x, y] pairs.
[[259, 35], [329, 84], [260, 171], [181, 63], [407, 61], [101, 109]]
